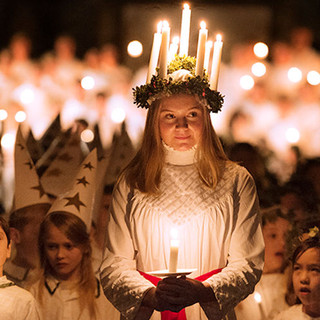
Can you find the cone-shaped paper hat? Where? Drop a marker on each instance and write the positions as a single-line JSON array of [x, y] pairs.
[[28, 188], [79, 199]]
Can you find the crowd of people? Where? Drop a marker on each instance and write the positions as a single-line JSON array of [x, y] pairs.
[[77, 256]]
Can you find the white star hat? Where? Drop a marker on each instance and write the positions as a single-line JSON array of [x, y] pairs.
[[80, 198], [28, 188]]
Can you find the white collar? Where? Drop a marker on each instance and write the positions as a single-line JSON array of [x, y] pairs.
[[181, 158]]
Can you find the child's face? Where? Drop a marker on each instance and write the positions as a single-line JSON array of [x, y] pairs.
[[306, 280], [4, 250], [63, 255], [274, 234]]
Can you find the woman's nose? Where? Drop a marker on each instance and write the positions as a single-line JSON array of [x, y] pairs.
[[304, 277], [182, 123]]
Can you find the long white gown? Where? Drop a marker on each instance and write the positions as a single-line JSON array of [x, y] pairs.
[[217, 229]]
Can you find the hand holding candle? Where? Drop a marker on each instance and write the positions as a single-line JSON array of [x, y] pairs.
[[216, 60], [174, 250]]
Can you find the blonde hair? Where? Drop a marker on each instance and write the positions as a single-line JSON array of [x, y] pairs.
[[144, 171], [75, 230]]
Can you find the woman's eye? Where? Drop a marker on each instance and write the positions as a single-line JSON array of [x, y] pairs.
[[296, 268], [193, 114], [69, 246], [169, 116], [51, 246]]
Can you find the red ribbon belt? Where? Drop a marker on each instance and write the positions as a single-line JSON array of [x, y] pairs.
[[169, 315]]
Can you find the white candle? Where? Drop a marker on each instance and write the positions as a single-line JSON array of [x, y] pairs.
[[163, 59], [216, 60], [185, 30], [257, 297], [209, 45], [154, 52], [174, 250], [203, 33], [173, 48]]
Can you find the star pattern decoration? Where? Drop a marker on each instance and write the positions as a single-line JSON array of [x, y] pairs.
[[65, 157], [88, 166], [82, 181], [40, 188], [21, 146], [74, 201], [55, 172], [30, 164]]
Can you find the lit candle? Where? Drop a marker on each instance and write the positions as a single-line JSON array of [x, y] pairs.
[[174, 250], [203, 33], [154, 52], [163, 59], [209, 45], [257, 297], [216, 60], [173, 48], [185, 30]]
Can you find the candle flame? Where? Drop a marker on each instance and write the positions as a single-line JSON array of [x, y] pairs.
[[159, 27], [186, 6], [203, 25], [219, 37], [174, 234], [165, 24], [209, 44], [257, 297], [175, 40]]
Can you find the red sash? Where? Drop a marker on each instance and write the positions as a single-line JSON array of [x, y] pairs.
[[169, 315]]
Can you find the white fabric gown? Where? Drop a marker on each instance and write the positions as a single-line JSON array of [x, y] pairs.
[[219, 228]]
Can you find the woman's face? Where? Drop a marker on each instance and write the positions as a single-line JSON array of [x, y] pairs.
[[181, 122], [306, 280], [63, 255], [4, 249]]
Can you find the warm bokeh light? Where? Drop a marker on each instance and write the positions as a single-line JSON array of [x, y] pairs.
[[294, 74], [261, 50], [203, 25], [135, 49], [20, 116], [313, 77], [87, 135], [118, 115], [246, 82], [292, 135], [26, 96], [3, 114], [8, 140], [257, 297], [87, 83], [259, 69]]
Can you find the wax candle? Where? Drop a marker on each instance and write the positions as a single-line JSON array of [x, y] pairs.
[[203, 33], [209, 45], [174, 250], [163, 59], [154, 56], [185, 30], [173, 48], [216, 60], [258, 299]]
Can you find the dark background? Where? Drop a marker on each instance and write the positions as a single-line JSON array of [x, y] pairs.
[[95, 22]]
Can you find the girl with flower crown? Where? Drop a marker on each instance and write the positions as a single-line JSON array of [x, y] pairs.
[[181, 178], [305, 280]]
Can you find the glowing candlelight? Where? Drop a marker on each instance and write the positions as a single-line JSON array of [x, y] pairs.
[[185, 30], [174, 250], [173, 48], [258, 299], [216, 60], [163, 59], [154, 52], [209, 45], [203, 33]]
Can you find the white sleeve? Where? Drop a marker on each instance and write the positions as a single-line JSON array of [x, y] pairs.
[[246, 252], [122, 283]]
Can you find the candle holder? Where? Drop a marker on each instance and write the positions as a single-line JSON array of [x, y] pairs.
[[166, 273]]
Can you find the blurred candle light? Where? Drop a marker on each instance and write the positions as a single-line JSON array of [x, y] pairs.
[[209, 45], [87, 135], [8, 141], [163, 59], [203, 34], [258, 299], [135, 48], [313, 78], [118, 115], [154, 56], [185, 30], [174, 250], [173, 48], [26, 95], [258, 69], [292, 135], [3, 114], [294, 75], [87, 83], [261, 50], [20, 116], [216, 60], [246, 82]]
